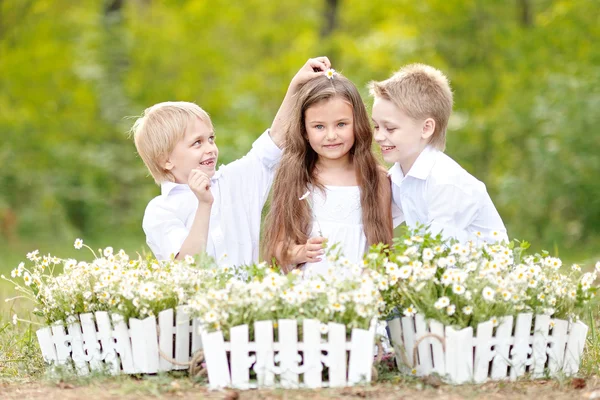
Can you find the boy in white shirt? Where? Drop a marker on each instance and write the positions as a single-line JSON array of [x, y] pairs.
[[410, 113], [201, 209]]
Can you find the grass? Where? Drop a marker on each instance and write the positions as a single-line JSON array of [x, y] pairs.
[[23, 373]]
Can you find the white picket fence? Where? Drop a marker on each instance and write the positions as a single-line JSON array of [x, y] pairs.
[[491, 353], [287, 362], [101, 341]]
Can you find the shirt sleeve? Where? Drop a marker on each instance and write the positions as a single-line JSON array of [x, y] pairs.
[[252, 175], [165, 233], [451, 210]]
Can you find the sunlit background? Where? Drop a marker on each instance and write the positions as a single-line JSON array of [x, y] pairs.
[[525, 73]]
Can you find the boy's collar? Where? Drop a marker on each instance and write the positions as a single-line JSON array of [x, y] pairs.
[[168, 186], [420, 169]]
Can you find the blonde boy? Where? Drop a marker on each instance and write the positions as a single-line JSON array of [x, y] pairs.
[[202, 209], [410, 114]]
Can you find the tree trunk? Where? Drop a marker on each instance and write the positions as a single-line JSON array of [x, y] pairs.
[[330, 15]]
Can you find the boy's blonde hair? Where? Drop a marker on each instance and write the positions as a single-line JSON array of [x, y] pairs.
[[422, 92], [159, 129]]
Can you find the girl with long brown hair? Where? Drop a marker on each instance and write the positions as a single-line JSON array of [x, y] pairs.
[[329, 187]]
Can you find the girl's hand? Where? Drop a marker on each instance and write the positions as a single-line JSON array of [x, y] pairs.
[[310, 252], [199, 182], [313, 68]]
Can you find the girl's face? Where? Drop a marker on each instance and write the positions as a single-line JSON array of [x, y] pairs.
[[329, 128]]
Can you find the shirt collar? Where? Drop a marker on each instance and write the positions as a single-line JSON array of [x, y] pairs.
[[168, 186], [424, 163]]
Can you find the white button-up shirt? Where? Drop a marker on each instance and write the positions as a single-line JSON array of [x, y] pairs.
[[438, 192], [239, 189]]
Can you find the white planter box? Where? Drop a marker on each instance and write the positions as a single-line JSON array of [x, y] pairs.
[[287, 362], [505, 352], [101, 341]]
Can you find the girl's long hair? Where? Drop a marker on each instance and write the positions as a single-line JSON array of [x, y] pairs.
[[289, 220]]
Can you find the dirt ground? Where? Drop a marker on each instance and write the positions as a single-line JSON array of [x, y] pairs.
[[185, 389]]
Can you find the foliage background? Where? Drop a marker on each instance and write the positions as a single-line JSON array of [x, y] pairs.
[[526, 77]]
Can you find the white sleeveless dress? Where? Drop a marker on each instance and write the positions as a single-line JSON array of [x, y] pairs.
[[338, 214]]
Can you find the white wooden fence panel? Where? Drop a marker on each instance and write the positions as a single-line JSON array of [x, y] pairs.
[[425, 359], [240, 374], [437, 347], [311, 332], [216, 359], [182, 338], [61, 342], [336, 354], [502, 341], [166, 339], [77, 352], [264, 367], [540, 345], [575, 345], [91, 344], [558, 342], [459, 354], [521, 347], [483, 351], [105, 335], [288, 353], [361, 356], [123, 344], [44, 336]]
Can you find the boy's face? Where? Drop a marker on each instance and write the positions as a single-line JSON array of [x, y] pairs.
[[197, 150], [329, 128], [401, 137]]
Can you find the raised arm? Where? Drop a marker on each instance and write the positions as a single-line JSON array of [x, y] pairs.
[[313, 67]]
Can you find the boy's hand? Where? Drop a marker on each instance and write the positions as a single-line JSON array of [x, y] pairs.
[[199, 182], [310, 252], [313, 68]]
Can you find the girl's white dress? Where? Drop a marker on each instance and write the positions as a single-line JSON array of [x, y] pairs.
[[338, 214]]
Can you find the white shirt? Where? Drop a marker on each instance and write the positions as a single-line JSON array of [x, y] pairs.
[[239, 189], [337, 213], [438, 192]]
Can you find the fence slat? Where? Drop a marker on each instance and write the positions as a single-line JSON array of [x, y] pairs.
[[425, 360], [123, 344], [483, 351], [288, 352], [166, 339], [336, 354], [264, 367], [182, 337], [196, 338], [459, 355], [503, 339], [439, 361], [44, 336], [144, 344], [109, 353], [216, 359], [240, 374], [397, 342], [540, 344], [558, 342], [312, 366], [408, 330], [521, 348], [361, 356], [77, 351], [61, 342], [575, 346], [91, 345]]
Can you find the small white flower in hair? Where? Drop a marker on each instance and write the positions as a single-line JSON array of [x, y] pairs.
[[330, 73]]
